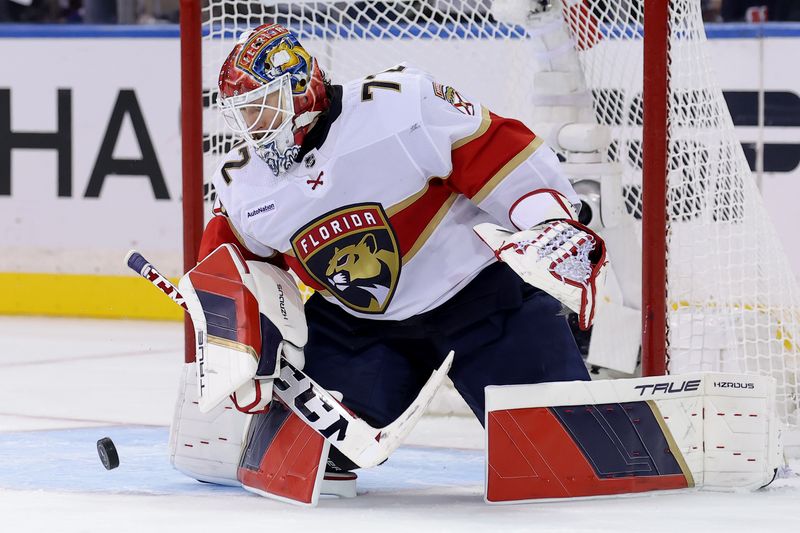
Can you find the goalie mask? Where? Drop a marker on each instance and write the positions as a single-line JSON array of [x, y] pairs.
[[270, 91]]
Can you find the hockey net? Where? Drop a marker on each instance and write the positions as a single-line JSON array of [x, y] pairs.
[[572, 70]]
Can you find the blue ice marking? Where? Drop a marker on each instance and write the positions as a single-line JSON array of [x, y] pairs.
[[67, 461]]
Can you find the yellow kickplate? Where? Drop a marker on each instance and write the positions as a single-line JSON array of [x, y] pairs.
[[81, 295]]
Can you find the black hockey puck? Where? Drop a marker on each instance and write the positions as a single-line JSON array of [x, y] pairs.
[[108, 453]]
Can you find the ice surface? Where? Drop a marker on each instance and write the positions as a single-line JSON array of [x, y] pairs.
[[66, 383]]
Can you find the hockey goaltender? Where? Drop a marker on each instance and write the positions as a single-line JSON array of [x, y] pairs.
[[440, 239]]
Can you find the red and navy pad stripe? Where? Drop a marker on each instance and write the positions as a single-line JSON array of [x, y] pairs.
[[578, 451], [220, 313], [478, 161], [283, 456], [230, 309], [635, 444]]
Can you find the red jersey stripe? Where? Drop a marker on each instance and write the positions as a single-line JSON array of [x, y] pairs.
[[220, 231], [482, 158], [410, 221]]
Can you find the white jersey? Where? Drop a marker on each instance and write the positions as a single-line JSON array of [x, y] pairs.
[[379, 218]]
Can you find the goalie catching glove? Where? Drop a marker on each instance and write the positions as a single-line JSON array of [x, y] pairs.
[[246, 316], [562, 257]]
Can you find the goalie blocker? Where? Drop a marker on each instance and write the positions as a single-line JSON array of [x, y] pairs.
[[247, 315], [583, 439]]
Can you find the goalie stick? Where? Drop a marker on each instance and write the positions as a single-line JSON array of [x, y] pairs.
[[363, 444]]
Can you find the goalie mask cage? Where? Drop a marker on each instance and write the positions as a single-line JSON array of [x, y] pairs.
[[718, 292]]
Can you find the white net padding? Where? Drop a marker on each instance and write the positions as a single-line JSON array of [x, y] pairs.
[[732, 298]]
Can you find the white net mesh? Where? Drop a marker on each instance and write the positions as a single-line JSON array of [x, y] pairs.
[[733, 301], [732, 298]]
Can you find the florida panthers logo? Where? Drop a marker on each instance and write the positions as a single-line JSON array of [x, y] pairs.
[[353, 252], [362, 266]]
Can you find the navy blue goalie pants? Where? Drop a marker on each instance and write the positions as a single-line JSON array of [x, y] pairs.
[[503, 332]]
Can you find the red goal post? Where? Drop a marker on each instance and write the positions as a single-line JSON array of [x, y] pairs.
[[654, 187], [624, 92], [191, 145]]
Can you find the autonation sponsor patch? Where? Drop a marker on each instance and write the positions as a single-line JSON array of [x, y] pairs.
[[261, 210]]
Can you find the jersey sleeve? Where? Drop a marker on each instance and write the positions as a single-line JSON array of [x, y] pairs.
[[492, 160], [219, 231]]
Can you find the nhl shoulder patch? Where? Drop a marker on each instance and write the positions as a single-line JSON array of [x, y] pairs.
[[454, 98]]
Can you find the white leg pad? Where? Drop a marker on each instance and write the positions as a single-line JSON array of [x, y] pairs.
[[205, 446], [208, 446], [712, 431], [741, 436]]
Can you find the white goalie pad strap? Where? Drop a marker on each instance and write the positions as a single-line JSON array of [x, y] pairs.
[[254, 396], [539, 206], [563, 258], [583, 439], [205, 446]]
